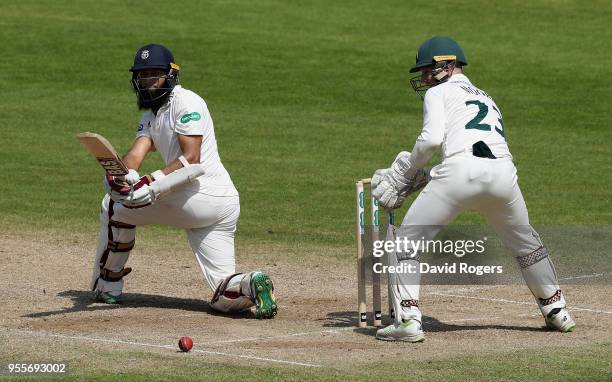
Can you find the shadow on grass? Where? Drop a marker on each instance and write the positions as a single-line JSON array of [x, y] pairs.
[[430, 324], [83, 301]]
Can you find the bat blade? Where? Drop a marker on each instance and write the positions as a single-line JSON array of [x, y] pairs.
[[104, 152]]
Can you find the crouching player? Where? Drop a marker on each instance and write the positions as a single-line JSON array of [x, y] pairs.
[[193, 191]]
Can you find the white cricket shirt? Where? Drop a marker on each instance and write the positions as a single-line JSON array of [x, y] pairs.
[[456, 114], [186, 113]]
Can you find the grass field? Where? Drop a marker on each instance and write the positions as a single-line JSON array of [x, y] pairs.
[[306, 98], [525, 365]]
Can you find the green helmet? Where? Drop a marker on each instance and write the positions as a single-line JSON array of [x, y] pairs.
[[438, 49]]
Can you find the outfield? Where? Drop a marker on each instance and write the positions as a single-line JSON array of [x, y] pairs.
[[306, 98]]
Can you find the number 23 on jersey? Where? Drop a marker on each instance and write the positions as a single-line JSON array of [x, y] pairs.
[[483, 110]]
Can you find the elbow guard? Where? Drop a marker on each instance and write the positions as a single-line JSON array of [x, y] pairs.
[[171, 182]]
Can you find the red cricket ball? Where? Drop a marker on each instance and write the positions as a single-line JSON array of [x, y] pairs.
[[185, 343]]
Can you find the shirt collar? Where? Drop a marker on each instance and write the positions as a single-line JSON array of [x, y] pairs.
[[460, 77]]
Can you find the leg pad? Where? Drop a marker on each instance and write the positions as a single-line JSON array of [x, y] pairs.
[[221, 290], [551, 300], [108, 275], [409, 303]]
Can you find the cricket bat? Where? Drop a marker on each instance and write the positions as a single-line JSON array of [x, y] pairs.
[[104, 152]]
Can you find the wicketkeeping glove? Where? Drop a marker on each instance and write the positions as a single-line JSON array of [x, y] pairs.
[[391, 186], [388, 196]]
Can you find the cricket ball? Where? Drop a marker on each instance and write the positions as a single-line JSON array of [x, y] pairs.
[[185, 343]]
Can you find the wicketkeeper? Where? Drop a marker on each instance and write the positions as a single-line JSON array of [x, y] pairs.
[[176, 123], [476, 173]]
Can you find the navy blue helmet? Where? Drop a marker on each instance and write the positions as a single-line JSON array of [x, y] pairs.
[[151, 57]]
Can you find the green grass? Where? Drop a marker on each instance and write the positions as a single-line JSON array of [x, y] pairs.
[[306, 97], [581, 363]]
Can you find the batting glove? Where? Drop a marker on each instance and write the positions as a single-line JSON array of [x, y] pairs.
[[132, 177]]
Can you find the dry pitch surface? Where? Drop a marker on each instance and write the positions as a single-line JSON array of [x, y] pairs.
[[48, 313]]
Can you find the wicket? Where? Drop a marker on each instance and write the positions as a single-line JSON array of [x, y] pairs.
[[362, 264]]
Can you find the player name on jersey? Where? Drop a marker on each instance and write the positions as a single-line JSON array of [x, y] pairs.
[[474, 91]]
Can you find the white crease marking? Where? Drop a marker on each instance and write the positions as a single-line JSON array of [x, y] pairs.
[[172, 347], [585, 276], [516, 302], [328, 331]]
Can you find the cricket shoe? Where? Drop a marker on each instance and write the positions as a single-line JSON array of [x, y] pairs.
[[262, 291], [407, 331], [560, 319], [108, 298]]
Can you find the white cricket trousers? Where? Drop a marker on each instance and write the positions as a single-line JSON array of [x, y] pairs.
[[489, 186], [210, 222]]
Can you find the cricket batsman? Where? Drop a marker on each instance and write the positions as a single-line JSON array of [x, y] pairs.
[[476, 173], [193, 191]]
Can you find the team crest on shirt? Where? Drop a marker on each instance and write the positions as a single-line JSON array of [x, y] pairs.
[[144, 55]]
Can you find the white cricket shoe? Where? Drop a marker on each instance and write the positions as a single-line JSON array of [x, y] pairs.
[[408, 331], [560, 319]]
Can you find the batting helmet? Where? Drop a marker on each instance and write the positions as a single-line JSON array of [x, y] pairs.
[[438, 49], [154, 56]]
